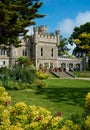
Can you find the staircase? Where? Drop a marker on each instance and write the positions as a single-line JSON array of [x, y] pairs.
[[64, 74]]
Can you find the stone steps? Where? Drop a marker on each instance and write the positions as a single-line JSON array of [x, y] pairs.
[[60, 74]]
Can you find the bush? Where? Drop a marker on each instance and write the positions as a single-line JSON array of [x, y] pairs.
[[87, 123], [19, 78], [5, 100], [13, 85], [24, 117], [41, 75], [87, 104], [26, 74], [40, 83]]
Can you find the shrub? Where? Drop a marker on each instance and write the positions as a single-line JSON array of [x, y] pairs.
[[4, 98], [41, 75], [13, 85], [88, 102], [26, 74], [24, 117], [19, 78], [69, 125], [87, 123], [39, 83]]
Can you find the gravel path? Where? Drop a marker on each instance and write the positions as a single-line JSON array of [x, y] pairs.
[[83, 78]]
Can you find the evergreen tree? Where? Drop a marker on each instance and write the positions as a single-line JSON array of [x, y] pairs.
[[15, 16]]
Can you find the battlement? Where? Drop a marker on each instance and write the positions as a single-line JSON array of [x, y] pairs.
[[46, 36], [69, 59], [40, 33], [42, 29]]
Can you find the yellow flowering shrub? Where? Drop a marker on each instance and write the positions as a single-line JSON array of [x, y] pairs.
[[87, 123], [41, 75], [4, 98], [87, 103], [24, 117], [20, 108], [69, 125], [39, 83]]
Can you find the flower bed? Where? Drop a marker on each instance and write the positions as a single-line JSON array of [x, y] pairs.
[[24, 117]]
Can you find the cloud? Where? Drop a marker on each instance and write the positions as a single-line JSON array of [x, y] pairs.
[[67, 25], [30, 30], [82, 18]]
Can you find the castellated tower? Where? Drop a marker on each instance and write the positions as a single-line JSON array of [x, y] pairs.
[[42, 29], [42, 47], [45, 47]]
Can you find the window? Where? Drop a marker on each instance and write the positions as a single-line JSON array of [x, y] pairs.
[[46, 65], [24, 53], [2, 52], [52, 52], [41, 51], [51, 65], [14, 53], [3, 62]]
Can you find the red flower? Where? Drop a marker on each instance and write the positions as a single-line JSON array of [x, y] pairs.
[[8, 103], [38, 118], [59, 114]]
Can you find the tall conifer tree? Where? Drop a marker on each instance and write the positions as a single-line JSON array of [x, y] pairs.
[[15, 16]]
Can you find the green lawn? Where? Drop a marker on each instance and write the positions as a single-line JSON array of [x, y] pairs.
[[60, 95], [83, 74]]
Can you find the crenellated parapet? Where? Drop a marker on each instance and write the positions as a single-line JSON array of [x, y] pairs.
[[41, 35]]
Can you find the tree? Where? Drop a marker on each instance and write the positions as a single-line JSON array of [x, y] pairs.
[[63, 48], [15, 16], [81, 37], [24, 61]]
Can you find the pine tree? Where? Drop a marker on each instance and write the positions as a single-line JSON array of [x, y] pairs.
[[15, 16]]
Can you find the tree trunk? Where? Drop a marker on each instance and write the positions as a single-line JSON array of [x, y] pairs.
[[10, 55], [89, 63]]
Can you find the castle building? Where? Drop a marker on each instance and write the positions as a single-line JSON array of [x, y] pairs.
[[42, 47], [45, 47]]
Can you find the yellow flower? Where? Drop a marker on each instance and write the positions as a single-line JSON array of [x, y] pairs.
[[87, 123], [87, 103], [77, 41], [34, 124], [13, 127], [21, 107], [2, 89], [46, 119]]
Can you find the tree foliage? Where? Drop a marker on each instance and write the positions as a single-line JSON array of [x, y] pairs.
[[24, 61], [63, 47], [81, 37], [15, 16]]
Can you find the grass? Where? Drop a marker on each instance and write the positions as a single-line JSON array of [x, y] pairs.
[[83, 74], [60, 95]]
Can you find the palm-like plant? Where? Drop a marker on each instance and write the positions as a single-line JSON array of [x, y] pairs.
[[63, 47]]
